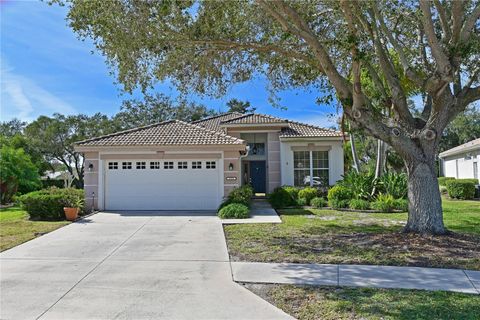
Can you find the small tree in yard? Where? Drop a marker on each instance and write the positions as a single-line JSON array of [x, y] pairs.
[[16, 170], [430, 47]]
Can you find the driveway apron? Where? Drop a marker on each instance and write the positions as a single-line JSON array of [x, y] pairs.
[[128, 265]]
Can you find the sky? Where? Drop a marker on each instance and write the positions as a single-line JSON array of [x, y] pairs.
[[46, 69]]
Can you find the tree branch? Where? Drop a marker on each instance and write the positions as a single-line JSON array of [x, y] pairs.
[[444, 67], [457, 14], [443, 20], [470, 23], [299, 27]]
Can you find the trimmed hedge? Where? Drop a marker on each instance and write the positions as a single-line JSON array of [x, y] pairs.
[[234, 211], [359, 204], [280, 198], [308, 194], [48, 204], [318, 202], [461, 189], [442, 181]]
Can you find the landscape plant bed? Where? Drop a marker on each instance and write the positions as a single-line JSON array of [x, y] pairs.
[[344, 209], [341, 237], [308, 303], [16, 228]]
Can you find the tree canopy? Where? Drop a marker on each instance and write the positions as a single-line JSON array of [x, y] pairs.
[[235, 105], [429, 47]]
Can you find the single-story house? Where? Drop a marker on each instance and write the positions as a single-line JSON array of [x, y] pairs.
[[174, 165], [462, 162]]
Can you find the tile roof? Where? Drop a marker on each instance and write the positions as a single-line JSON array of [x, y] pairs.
[[297, 130], [469, 146], [254, 118], [172, 132], [292, 130], [213, 123]]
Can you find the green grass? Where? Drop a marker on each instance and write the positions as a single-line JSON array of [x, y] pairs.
[[16, 228], [329, 236], [307, 303]]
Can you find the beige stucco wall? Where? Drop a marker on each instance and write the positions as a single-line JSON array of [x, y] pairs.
[[91, 180], [273, 164], [231, 177]]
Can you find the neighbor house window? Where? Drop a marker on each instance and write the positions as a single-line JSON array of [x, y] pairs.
[[141, 165], [182, 165], [155, 165], [310, 168], [196, 164], [168, 165], [210, 164], [126, 165], [113, 165]]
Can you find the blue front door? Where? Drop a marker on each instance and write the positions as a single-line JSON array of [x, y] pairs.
[[258, 177]]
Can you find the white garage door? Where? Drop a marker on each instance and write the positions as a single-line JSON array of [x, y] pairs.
[[162, 185]]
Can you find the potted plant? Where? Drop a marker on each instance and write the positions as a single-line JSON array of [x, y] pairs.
[[72, 208]]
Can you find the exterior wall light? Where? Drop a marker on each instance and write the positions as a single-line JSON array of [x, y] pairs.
[[90, 166], [230, 166]]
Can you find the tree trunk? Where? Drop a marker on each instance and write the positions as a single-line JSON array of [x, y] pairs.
[[425, 214], [380, 166], [356, 163]]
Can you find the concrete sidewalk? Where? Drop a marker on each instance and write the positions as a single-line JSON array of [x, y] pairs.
[[465, 281]]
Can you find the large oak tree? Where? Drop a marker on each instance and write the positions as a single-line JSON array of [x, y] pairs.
[[427, 47]]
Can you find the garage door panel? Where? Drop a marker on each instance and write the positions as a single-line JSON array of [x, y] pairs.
[[162, 189]]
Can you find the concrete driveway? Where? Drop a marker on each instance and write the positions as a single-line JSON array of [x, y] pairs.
[[127, 265]]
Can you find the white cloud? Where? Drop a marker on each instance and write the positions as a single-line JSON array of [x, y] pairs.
[[23, 98]]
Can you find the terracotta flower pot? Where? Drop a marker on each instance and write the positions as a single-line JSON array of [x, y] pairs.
[[71, 213]]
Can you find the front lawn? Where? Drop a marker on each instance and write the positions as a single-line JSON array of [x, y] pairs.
[[329, 236], [16, 228], [307, 303]]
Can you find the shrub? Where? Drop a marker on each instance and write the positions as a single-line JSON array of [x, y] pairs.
[[308, 194], [280, 198], [401, 204], [338, 204], [241, 195], [461, 189], [293, 192], [359, 204], [442, 181], [443, 189], [48, 204], [234, 211], [394, 184], [318, 202], [384, 203], [301, 202], [361, 184], [339, 196]]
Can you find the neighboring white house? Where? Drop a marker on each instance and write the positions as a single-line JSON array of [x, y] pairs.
[[462, 162]]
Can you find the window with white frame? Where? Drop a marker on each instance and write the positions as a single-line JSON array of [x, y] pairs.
[[196, 164], [155, 165], [113, 165], [126, 165], [182, 165], [168, 165], [310, 168], [141, 165], [210, 164]]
